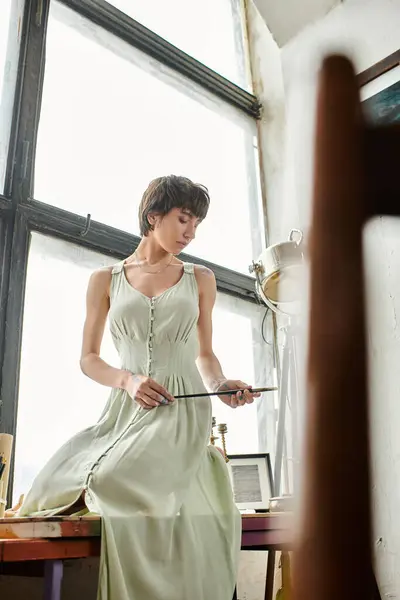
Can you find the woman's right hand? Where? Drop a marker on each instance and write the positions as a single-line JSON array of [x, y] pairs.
[[147, 392]]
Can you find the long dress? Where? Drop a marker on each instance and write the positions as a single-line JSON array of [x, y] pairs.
[[170, 528]]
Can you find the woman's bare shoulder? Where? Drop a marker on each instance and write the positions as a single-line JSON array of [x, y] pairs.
[[204, 272], [205, 278], [100, 280]]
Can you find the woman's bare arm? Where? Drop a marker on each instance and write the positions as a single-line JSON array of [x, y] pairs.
[[97, 307], [207, 362]]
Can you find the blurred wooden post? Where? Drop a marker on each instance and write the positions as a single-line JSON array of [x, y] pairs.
[[355, 178], [333, 557]]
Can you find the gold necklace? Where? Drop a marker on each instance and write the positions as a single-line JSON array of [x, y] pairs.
[[152, 272]]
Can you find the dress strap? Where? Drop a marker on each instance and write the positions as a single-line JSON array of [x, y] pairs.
[[116, 278], [188, 267], [118, 267]]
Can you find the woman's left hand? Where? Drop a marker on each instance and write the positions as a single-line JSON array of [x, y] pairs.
[[239, 398]]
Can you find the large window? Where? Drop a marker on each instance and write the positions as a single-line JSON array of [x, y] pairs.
[[56, 400], [210, 31], [109, 96], [112, 120]]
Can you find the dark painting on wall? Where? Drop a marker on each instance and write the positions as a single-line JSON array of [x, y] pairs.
[[383, 107]]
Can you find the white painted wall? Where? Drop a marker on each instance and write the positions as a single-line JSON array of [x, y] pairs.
[[367, 30], [268, 85], [286, 19]]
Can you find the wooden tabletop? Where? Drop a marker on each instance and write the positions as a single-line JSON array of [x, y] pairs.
[[49, 527], [50, 538]]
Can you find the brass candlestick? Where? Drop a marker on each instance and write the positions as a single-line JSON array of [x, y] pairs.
[[212, 436], [223, 429]]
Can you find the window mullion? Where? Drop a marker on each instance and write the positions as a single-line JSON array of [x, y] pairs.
[[115, 242], [27, 100], [13, 276]]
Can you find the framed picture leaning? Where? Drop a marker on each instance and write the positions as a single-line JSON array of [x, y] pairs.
[[251, 478]]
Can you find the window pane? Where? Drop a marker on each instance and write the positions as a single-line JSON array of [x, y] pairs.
[[10, 27], [188, 24], [112, 120], [243, 354], [56, 400]]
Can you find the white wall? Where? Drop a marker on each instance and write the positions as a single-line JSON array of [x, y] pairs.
[[367, 30], [268, 86], [286, 19]]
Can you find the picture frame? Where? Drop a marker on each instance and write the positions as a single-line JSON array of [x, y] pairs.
[[251, 480], [380, 91]]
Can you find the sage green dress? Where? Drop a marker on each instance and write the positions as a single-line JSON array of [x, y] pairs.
[[170, 528]]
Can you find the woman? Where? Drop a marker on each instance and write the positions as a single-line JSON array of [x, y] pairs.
[[171, 530]]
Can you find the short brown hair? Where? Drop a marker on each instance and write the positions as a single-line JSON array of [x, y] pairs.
[[173, 191]]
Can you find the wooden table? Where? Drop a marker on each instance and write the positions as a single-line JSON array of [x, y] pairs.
[[36, 546]]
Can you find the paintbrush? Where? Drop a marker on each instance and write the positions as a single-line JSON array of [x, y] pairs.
[[228, 392]]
